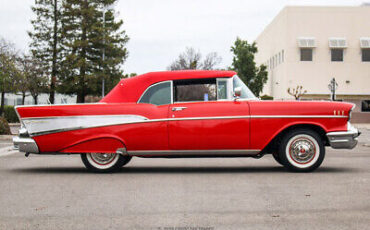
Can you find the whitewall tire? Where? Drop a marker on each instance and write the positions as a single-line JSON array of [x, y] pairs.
[[104, 162], [302, 150]]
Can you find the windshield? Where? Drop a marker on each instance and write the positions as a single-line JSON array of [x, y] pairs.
[[246, 93]]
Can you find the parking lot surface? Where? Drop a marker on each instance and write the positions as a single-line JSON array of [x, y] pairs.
[[56, 192]]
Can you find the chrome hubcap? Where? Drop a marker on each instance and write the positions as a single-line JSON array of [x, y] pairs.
[[102, 158], [302, 150]]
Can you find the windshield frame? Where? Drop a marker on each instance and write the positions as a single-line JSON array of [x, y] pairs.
[[247, 94]]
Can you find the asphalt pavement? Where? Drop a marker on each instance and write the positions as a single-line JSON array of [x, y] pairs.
[[56, 192]]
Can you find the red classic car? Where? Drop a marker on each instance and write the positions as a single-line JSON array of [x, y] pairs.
[[187, 114]]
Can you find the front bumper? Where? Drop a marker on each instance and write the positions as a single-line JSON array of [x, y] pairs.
[[25, 144], [345, 139]]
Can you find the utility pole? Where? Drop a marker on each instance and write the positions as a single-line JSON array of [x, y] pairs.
[[103, 81], [106, 8], [332, 87]]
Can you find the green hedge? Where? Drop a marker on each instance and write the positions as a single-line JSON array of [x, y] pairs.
[[266, 97], [10, 114], [4, 127]]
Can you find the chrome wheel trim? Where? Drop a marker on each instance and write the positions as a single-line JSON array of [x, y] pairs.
[[102, 160], [302, 151]]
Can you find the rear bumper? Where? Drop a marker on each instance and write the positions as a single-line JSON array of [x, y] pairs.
[[344, 140], [27, 145]]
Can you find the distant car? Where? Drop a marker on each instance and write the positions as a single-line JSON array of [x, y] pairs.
[[187, 114]]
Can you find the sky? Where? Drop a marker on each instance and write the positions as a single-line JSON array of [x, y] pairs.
[[160, 30]]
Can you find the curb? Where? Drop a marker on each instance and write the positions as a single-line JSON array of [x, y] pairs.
[[361, 125]]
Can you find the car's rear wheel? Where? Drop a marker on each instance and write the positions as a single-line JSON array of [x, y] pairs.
[[301, 150], [104, 162]]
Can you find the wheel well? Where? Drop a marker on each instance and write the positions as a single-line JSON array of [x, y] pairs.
[[272, 147]]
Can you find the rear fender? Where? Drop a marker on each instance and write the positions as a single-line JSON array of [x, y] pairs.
[[103, 144]]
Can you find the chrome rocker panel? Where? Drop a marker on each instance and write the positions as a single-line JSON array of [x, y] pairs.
[[27, 145], [344, 140]]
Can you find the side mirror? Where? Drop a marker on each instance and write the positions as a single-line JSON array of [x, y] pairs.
[[237, 92]]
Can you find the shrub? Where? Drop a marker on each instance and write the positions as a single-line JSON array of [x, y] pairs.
[[267, 97], [10, 114], [4, 127]]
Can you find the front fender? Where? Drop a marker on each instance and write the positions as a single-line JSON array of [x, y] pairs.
[[263, 131]]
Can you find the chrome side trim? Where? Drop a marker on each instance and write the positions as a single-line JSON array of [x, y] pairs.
[[27, 145], [298, 116], [216, 152], [43, 105], [211, 117], [48, 125], [206, 118], [122, 151], [243, 117]]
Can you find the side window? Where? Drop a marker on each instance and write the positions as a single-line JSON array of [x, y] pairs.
[[159, 94], [195, 90], [221, 89]]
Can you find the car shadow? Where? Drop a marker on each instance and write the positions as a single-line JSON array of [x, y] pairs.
[[177, 169]]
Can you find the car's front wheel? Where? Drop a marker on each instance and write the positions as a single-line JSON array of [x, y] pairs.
[[302, 150], [277, 158], [104, 162]]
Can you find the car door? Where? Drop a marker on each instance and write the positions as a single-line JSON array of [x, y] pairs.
[[203, 117], [153, 105]]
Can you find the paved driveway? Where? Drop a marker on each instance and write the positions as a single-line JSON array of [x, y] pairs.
[[56, 192]]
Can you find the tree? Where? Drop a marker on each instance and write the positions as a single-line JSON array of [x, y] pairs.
[[128, 75], [8, 70], [243, 63], [20, 80], [46, 39], [88, 39], [31, 78], [297, 92], [192, 59]]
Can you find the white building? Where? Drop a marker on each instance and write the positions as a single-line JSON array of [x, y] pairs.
[[309, 46]]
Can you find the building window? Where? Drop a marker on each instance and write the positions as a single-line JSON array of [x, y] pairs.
[[306, 54], [366, 55], [273, 62], [365, 106], [336, 54], [63, 101], [282, 56], [19, 101], [276, 59]]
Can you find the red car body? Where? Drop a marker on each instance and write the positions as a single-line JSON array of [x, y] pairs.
[[229, 127]]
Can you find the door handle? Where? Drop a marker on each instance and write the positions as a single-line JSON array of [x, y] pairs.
[[178, 108]]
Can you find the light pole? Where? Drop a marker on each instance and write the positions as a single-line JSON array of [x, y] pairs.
[[107, 7], [332, 87]]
